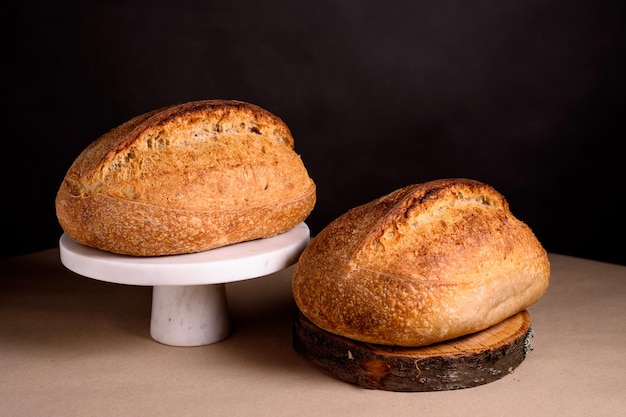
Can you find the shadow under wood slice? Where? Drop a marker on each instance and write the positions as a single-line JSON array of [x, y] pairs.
[[465, 362]]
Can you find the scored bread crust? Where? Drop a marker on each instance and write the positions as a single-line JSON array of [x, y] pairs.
[[186, 178], [421, 265]]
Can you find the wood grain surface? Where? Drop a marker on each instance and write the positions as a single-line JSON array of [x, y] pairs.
[[465, 362]]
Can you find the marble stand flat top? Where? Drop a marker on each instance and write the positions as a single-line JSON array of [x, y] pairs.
[[226, 264]]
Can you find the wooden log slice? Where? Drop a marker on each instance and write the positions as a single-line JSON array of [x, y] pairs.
[[464, 362]]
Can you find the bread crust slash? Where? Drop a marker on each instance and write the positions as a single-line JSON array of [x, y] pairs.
[[186, 178], [424, 264]]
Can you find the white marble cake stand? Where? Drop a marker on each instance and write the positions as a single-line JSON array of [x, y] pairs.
[[189, 296]]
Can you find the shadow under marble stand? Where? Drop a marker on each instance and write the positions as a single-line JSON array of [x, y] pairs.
[[189, 305]]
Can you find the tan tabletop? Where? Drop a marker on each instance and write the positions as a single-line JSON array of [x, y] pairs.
[[73, 346]]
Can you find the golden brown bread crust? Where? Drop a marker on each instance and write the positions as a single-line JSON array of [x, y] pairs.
[[424, 264], [186, 178]]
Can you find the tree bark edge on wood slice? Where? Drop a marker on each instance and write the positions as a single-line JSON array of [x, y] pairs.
[[465, 362]]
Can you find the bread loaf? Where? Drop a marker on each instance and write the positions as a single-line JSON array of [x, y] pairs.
[[186, 178], [424, 264]]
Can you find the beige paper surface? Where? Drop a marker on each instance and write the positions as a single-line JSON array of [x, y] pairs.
[[73, 346]]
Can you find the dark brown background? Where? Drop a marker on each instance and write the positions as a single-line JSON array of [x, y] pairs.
[[524, 95]]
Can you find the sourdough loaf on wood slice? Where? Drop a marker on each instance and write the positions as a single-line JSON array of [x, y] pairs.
[[424, 264], [186, 178]]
